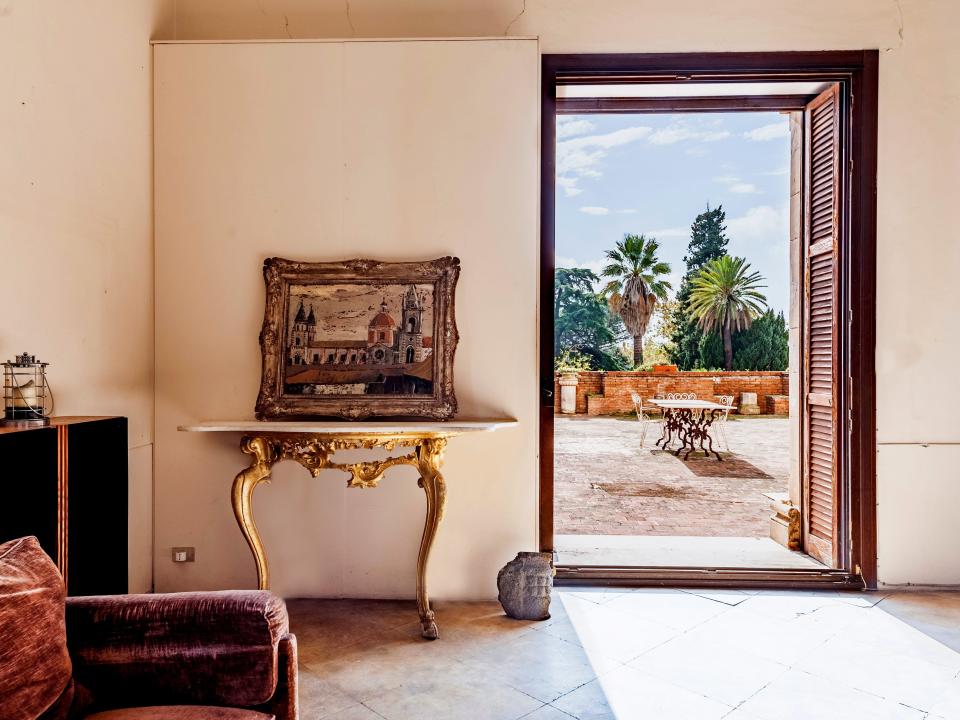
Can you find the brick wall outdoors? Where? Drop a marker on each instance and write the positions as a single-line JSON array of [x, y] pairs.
[[612, 389]]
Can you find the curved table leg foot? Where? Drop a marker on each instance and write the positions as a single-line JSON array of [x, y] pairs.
[[262, 458], [429, 630]]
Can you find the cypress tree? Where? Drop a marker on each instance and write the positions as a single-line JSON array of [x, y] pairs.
[[765, 345], [708, 240]]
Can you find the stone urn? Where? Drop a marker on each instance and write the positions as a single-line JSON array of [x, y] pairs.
[[525, 584], [568, 392]]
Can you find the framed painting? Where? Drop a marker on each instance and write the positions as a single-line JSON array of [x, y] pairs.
[[358, 339]]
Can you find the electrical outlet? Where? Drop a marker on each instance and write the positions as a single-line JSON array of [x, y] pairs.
[[184, 554]]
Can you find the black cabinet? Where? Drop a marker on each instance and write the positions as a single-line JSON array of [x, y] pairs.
[[66, 483]]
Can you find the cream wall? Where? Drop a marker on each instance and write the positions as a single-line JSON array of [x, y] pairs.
[[303, 150], [75, 183], [75, 215], [919, 169]]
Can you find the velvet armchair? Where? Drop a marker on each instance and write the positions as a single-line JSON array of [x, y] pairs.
[[183, 656]]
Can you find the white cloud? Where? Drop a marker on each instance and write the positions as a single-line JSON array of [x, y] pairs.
[[773, 131], [679, 132], [595, 210], [736, 185], [579, 157], [569, 185], [674, 232], [595, 266], [762, 223], [569, 127]]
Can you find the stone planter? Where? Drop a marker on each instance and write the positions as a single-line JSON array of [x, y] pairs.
[[568, 393]]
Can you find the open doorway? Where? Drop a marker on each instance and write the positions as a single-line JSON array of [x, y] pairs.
[[699, 242]]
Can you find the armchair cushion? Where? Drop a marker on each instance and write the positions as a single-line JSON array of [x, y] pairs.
[[35, 667], [207, 648], [180, 712]]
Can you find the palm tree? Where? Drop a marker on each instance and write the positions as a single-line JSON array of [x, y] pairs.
[[636, 286], [726, 294]]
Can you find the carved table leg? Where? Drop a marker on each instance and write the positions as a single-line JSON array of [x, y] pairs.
[[684, 419], [667, 434], [262, 459], [708, 421], [429, 458]]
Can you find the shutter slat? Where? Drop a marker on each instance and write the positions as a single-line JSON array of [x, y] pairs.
[[820, 440]]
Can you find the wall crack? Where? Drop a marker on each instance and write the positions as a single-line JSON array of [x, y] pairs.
[[353, 30], [899, 8], [523, 9]]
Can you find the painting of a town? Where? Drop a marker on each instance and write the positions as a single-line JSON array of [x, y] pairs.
[[359, 339]]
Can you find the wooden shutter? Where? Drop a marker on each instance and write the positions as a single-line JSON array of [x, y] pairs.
[[821, 321]]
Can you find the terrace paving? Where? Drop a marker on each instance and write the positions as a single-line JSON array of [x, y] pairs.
[[606, 484]]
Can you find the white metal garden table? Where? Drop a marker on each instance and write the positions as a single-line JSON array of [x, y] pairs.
[[689, 421]]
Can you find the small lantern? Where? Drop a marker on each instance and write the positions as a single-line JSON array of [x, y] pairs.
[[25, 392]]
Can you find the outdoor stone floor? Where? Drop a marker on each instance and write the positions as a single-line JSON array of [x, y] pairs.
[[606, 484]]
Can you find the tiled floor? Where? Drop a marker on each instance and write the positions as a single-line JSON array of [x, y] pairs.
[[606, 484], [624, 654]]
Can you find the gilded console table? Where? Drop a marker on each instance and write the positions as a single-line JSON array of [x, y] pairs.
[[313, 445]]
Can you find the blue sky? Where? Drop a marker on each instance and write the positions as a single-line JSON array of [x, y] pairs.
[[654, 173]]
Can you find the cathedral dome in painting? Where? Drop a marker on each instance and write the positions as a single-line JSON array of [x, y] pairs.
[[383, 319]]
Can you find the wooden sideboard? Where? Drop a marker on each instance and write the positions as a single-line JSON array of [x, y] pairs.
[[66, 483]]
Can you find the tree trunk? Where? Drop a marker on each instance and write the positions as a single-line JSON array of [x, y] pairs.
[[637, 351], [727, 348]]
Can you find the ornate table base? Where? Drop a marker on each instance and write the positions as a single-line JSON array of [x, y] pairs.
[[691, 427], [314, 452]]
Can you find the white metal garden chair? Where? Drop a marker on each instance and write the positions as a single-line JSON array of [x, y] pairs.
[[643, 416], [719, 425], [681, 396]]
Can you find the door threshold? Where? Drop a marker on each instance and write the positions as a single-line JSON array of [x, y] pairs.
[[716, 577]]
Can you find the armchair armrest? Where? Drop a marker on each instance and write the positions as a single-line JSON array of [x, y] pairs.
[[206, 648]]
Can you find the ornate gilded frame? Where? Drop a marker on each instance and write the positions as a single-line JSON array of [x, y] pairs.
[[279, 274]]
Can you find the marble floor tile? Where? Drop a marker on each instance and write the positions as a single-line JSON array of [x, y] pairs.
[[354, 712], [620, 654], [728, 597], [605, 632], [628, 694], [797, 695], [760, 635], [936, 614], [548, 712], [947, 705], [540, 665], [721, 672], [457, 694], [678, 610], [908, 680]]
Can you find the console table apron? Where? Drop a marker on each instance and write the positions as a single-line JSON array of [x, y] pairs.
[[313, 444]]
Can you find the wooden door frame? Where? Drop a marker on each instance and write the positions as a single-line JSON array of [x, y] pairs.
[[857, 72]]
